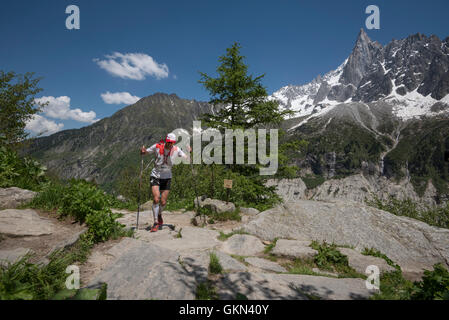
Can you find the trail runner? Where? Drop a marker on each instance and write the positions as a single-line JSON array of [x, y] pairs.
[[161, 174]]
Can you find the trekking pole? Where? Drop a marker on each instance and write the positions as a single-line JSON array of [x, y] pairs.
[[140, 187]]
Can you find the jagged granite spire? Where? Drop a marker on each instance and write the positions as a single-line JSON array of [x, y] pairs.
[[361, 59]]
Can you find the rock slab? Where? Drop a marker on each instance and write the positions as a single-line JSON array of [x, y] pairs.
[[412, 244], [243, 245], [11, 198], [146, 271], [19, 223], [265, 264], [215, 205], [294, 249]]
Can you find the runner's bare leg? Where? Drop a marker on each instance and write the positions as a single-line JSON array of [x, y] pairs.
[[156, 204], [163, 200]]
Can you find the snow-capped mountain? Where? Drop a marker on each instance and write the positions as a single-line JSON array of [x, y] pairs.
[[412, 75]]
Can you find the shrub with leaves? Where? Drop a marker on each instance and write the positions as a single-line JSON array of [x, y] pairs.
[[328, 255], [82, 199], [102, 226], [433, 286], [20, 172]]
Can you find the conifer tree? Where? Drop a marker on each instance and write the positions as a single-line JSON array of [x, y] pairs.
[[242, 100]]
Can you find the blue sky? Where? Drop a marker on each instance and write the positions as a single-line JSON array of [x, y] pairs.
[[290, 41]]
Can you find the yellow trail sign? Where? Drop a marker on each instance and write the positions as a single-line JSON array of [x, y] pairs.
[[228, 184]]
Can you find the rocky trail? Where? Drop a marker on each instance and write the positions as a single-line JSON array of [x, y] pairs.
[[170, 264], [256, 255]]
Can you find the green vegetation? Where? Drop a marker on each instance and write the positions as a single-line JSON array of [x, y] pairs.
[[84, 202], [313, 181], [436, 216], [421, 149], [302, 266], [17, 101], [23, 280], [179, 234], [393, 286], [206, 291], [329, 258], [224, 237], [247, 191], [240, 258], [376, 253], [214, 264], [81, 200], [433, 286], [351, 143], [82, 294], [245, 94], [15, 171], [225, 216]]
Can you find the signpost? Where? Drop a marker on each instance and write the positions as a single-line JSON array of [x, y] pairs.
[[228, 186]]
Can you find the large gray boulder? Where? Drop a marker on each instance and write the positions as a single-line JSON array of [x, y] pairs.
[[412, 244], [289, 189], [215, 205], [270, 286], [294, 249], [249, 211], [20, 223], [11, 198], [243, 245]]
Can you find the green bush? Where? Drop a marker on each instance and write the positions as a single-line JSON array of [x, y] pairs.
[[102, 226], [82, 199], [50, 197], [433, 286], [24, 173], [85, 202], [23, 280], [328, 255], [376, 253], [393, 286], [312, 182]]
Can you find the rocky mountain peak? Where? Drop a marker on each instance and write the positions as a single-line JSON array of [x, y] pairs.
[[411, 75], [364, 54]]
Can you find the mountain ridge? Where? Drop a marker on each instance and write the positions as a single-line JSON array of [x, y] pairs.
[[414, 69]]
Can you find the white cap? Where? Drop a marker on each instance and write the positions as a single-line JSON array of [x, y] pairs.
[[170, 137]]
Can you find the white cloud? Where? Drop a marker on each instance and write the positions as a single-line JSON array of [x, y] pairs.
[[135, 66], [42, 126], [59, 108], [119, 98]]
